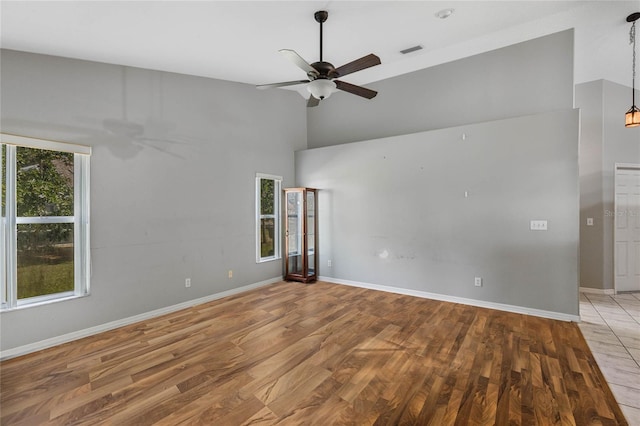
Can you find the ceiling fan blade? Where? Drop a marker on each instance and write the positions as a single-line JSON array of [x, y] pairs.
[[356, 90], [298, 60], [284, 83], [312, 102], [359, 64]]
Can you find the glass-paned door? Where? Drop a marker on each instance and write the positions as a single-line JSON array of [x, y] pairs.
[[294, 236], [301, 260]]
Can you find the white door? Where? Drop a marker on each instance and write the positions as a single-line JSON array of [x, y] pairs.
[[627, 229]]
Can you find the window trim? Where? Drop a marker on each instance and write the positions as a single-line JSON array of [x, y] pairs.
[[9, 139], [9, 222], [277, 190]]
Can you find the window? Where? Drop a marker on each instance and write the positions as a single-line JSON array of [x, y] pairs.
[[267, 217], [44, 222]]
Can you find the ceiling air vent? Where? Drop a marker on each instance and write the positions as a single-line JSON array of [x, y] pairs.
[[411, 49]]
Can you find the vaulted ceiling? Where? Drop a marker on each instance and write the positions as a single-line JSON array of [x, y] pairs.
[[239, 40]]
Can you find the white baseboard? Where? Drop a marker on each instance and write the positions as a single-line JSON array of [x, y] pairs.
[[607, 291], [58, 340], [462, 300]]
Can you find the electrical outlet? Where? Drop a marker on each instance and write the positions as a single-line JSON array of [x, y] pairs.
[[329, 263], [478, 282], [187, 282], [230, 273]]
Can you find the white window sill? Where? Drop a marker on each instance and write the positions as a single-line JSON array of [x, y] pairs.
[[268, 259], [40, 301]]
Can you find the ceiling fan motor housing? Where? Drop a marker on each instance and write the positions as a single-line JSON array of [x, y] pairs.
[[325, 70]]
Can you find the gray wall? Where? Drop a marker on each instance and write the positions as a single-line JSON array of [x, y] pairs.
[[589, 100], [526, 78], [604, 142], [393, 211], [180, 204]]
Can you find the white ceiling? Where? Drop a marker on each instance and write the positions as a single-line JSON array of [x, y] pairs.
[[239, 40]]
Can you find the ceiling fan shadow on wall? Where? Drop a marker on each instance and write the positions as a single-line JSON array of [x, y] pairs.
[[322, 75], [125, 137]]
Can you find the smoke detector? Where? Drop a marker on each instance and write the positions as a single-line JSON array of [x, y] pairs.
[[444, 13]]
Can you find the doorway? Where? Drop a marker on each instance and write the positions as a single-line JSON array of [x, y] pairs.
[[627, 228]]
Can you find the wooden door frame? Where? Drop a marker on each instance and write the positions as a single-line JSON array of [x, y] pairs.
[[616, 167]]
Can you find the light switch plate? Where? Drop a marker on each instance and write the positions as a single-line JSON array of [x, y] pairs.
[[538, 225], [589, 221]]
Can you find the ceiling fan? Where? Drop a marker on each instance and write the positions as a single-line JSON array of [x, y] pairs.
[[322, 75]]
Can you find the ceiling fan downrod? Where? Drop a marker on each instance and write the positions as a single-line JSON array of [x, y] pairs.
[[321, 16]]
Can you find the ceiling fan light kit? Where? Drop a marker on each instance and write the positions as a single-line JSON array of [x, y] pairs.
[[632, 117], [322, 75], [321, 88]]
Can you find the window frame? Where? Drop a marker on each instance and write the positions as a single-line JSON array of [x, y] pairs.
[[9, 221], [277, 194]]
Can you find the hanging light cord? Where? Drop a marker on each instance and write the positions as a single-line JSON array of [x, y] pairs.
[[632, 41]]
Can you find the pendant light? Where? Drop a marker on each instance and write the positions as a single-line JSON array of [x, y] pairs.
[[632, 117]]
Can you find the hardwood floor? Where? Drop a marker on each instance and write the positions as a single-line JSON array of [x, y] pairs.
[[319, 354]]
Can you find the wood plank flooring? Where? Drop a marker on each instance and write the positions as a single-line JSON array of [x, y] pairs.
[[318, 354]]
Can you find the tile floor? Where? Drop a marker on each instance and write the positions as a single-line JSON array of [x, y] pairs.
[[611, 327]]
